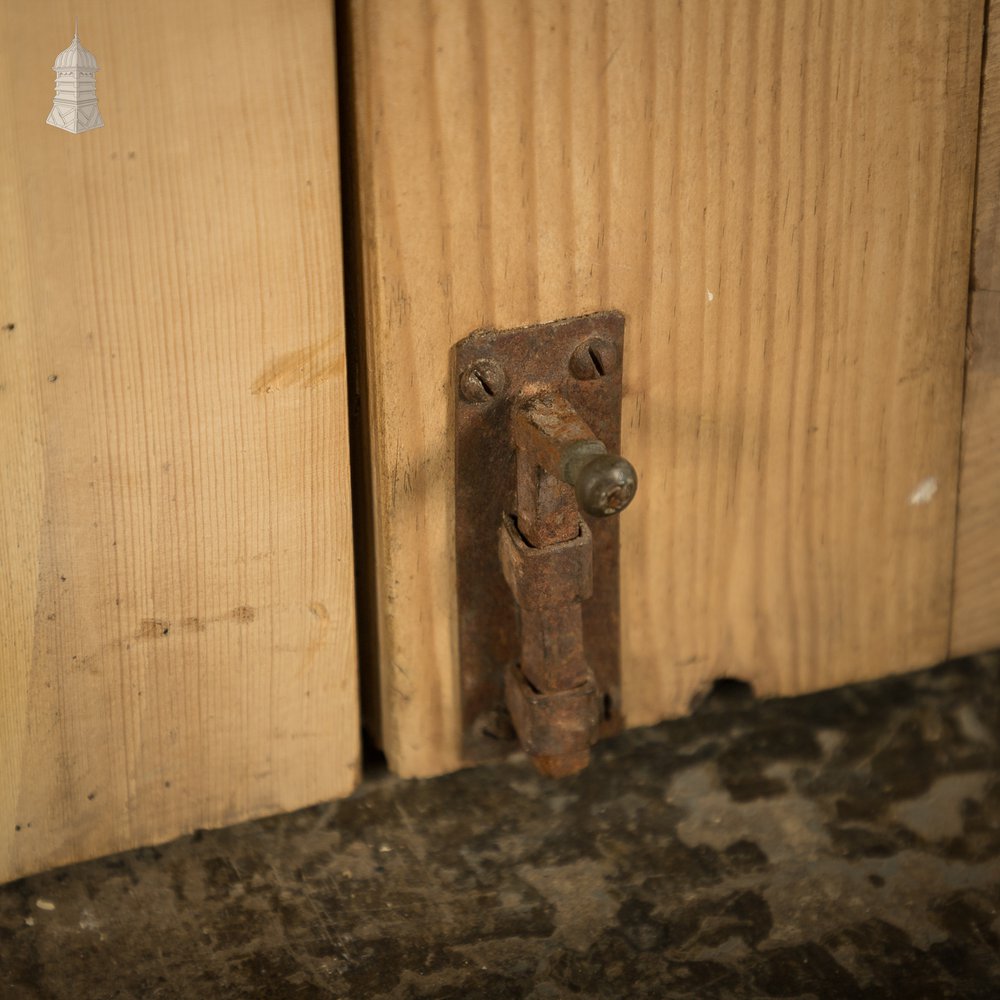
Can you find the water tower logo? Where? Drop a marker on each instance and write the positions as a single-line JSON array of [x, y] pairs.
[[75, 106]]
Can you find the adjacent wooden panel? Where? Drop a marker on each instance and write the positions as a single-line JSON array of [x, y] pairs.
[[976, 616], [176, 610], [778, 197]]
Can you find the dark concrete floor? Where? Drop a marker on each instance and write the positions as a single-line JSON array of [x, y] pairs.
[[840, 845]]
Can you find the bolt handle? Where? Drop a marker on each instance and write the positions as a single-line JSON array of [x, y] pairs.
[[605, 485], [551, 432]]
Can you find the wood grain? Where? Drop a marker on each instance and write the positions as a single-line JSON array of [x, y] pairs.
[[778, 197], [177, 611], [976, 614], [986, 221]]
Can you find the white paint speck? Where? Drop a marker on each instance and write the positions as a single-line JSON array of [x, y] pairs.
[[45, 904], [924, 491], [88, 922], [384, 849], [709, 296], [30, 921]]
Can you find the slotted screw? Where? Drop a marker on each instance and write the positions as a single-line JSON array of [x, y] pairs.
[[594, 359], [483, 381]]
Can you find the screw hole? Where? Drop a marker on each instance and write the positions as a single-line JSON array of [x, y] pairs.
[[607, 704]]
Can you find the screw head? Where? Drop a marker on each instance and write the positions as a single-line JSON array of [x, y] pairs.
[[594, 359], [483, 381]]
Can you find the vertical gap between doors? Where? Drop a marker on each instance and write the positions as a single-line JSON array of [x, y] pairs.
[[984, 51], [362, 497]]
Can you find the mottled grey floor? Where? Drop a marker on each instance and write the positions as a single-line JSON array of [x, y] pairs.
[[840, 845]]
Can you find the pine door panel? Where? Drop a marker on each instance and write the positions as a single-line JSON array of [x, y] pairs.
[[177, 641], [777, 195]]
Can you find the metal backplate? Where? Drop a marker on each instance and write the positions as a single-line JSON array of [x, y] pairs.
[[510, 362]]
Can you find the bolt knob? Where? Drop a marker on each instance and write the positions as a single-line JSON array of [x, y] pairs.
[[605, 485]]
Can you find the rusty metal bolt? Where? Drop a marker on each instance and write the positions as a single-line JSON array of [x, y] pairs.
[[606, 485], [594, 359], [563, 765], [483, 381]]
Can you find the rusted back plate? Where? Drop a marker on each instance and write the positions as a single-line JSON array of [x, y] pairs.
[[485, 480]]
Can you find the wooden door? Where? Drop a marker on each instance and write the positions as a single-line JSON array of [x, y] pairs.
[[176, 587], [777, 195]]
